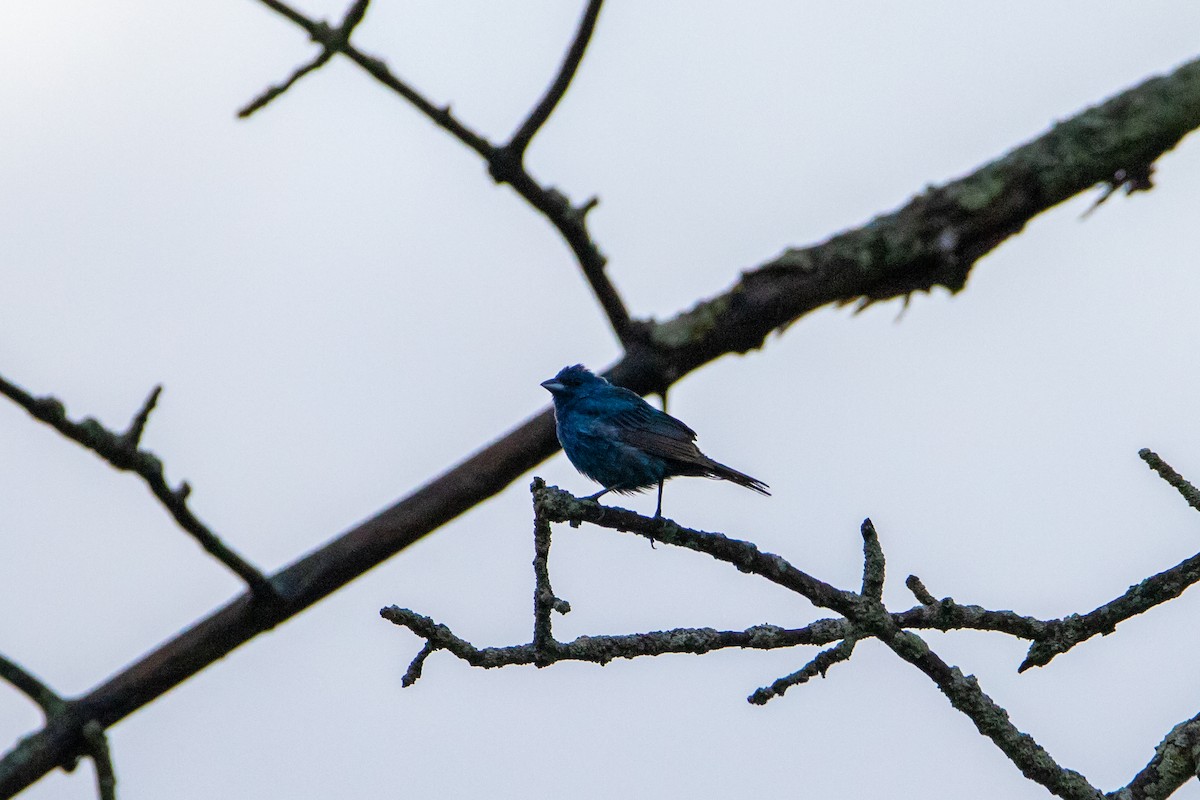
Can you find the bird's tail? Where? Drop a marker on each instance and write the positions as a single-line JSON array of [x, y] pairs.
[[721, 472]]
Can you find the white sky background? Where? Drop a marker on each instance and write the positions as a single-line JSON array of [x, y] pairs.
[[341, 304]]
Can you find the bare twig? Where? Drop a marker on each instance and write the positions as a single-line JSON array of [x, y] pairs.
[[867, 615], [558, 87], [417, 666], [122, 452], [1164, 470], [332, 40], [819, 665], [29, 685], [96, 745], [1063, 634], [505, 163]]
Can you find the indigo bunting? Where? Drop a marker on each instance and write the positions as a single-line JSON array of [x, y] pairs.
[[620, 441]]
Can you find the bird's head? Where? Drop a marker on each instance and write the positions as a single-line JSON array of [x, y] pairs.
[[571, 380]]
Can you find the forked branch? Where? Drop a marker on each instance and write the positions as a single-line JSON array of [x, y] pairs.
[[862, 615]]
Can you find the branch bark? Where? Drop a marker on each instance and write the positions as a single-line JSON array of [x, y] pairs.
[[934, 240]]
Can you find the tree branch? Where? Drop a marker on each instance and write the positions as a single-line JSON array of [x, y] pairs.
[[603, 649], [332, 41], [1175, 763], [121, 451], [819, 665], [1063, 634], [506, 163], [974, 214], [558, 87], [29, 685], [1164, 470]]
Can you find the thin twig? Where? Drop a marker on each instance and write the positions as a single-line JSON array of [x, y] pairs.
[[1189, 492], [96, 746], [122, 452], [505, 164], [335, 41], [417, 666], [1063, 634], [819, 665], [558, 87], [29, 685]]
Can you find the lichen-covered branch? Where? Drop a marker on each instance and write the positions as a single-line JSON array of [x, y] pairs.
[[1176, 761], [1186, 490], [121, 451], [863, 616], [819, 665], [932, 241], [1063, 634], [938, 236], [603, 649]]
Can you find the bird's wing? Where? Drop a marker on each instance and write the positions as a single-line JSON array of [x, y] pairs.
[[655, 432]]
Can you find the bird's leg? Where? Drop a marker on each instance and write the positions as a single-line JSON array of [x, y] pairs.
[[658, 510], [597, 495]]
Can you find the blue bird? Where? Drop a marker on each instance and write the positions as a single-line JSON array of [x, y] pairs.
[[620, 441]]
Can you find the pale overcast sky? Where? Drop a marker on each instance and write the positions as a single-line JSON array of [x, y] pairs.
[[341, 304]]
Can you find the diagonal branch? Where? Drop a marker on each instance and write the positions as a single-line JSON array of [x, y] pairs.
[[819, 665], [122, 452], [1165, 471], [558, 87], [991, 720], [1136, 126], [1065, 633], [1175, 762], [867, 615], [29, 685], [333, 41]]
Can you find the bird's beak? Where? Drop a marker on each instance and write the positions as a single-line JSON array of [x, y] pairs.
[[552, 386]]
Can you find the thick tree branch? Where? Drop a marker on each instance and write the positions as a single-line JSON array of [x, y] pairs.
[[122, 452], [975, 213]]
